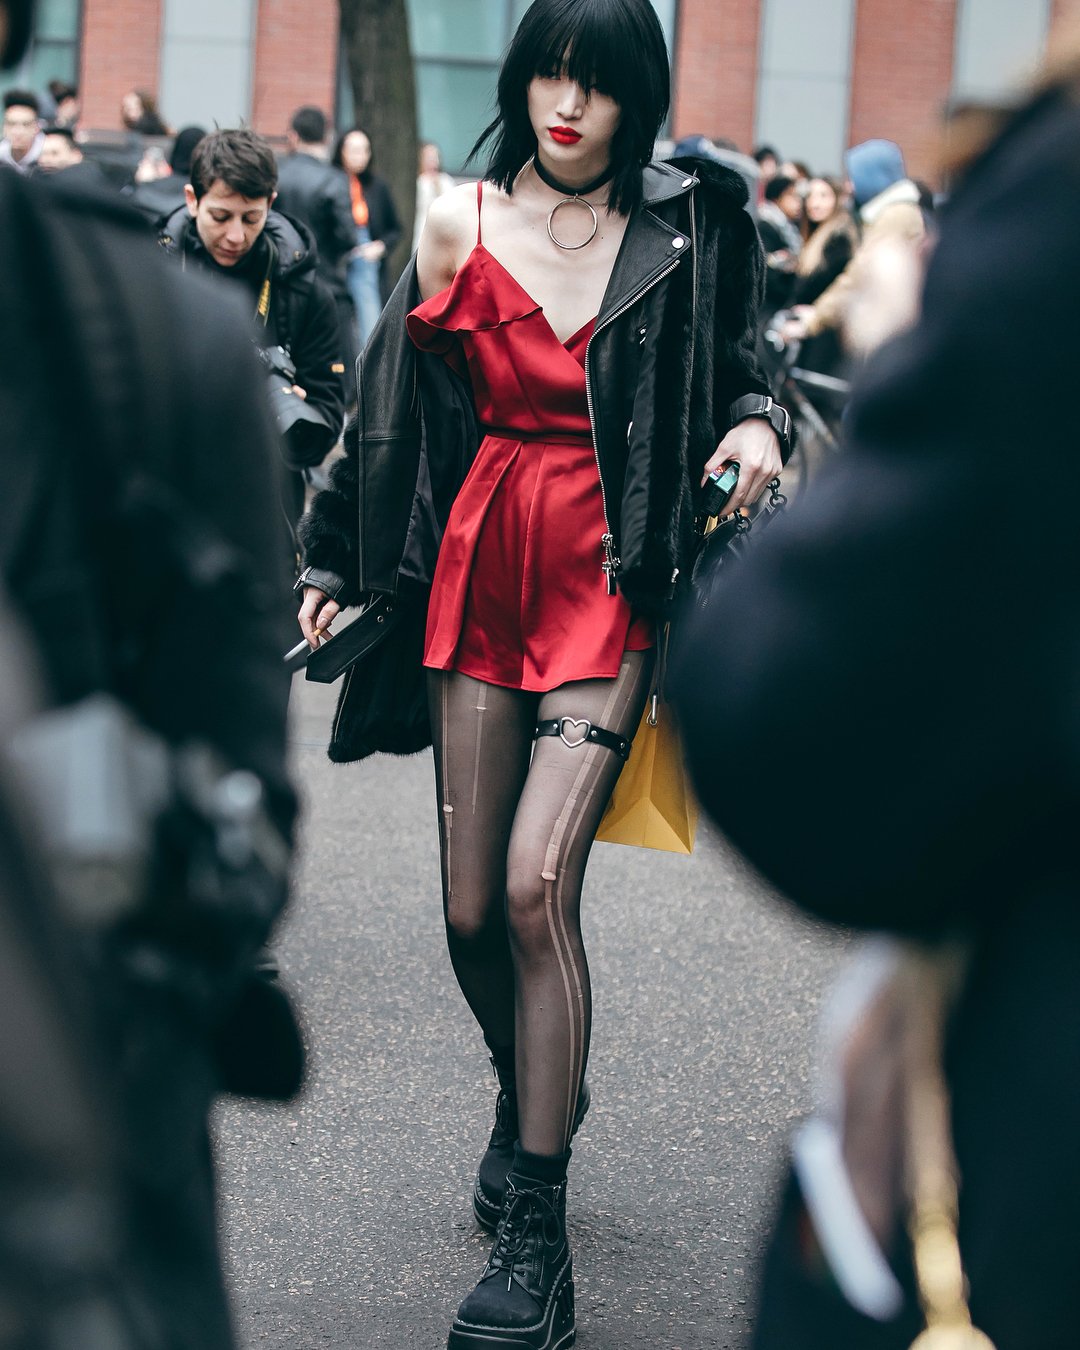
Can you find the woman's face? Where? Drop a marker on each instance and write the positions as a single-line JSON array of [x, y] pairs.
[[820, 201], [131, 107], [356, 152], [572, 125]]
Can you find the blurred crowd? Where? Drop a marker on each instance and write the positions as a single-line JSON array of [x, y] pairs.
[[843, 250], [355, 230]]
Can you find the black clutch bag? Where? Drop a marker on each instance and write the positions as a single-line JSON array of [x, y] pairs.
[[721, 542], [372, 626]]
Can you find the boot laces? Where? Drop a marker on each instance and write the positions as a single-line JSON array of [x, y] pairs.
[[526, 1213]]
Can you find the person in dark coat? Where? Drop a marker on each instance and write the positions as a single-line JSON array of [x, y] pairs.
[[778, 217], [830, 237], [317, 194], [378, 229], [228, 230], [22, 139], [160, 197], [139, 511], [901, 657], [61, 153]]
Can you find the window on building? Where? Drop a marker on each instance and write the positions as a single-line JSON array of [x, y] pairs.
[[458, 45], [804, 81], [54, 51], [998, 45]]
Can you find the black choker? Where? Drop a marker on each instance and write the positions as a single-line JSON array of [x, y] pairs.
[[564, 188], [575, 197]]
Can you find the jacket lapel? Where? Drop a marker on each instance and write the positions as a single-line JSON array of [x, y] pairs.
[[650, 245]]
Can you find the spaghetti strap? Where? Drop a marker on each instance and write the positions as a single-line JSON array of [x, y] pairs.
[[479, 208]]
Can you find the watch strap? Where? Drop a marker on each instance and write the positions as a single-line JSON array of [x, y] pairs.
[[750, 405], [777, 416]]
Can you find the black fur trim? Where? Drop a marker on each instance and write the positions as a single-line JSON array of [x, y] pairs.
[[691, 404], [720, 182], [328, 530]]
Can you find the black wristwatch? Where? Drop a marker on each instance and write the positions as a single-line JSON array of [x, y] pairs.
[[760, 405]]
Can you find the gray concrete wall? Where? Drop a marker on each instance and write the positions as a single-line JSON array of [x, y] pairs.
[[804, 79], [207, 60], [998, 44]]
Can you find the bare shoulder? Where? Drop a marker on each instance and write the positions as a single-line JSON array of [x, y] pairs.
[[452, 218], [447, 239]]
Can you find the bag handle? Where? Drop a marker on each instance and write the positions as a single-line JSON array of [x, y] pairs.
[[929, 981]]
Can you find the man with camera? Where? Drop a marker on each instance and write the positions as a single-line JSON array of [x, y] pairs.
[[228, 228]]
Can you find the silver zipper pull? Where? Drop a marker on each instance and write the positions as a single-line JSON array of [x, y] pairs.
[[610, 564]]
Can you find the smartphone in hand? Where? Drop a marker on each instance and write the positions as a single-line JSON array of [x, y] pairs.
[[719, 486]]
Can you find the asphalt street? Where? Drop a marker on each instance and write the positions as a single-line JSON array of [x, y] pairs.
[[347, 1214]]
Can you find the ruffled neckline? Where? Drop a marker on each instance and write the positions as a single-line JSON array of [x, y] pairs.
[[477, 301]]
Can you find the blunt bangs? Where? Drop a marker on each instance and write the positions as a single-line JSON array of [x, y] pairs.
[[616, 47]]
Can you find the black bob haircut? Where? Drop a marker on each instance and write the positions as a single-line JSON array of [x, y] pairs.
[[616, 47], [241, 159]]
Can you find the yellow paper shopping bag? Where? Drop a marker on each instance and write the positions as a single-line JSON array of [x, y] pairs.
[[653, 805]]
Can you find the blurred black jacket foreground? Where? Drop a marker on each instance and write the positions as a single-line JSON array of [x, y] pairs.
[[901, 662], [139, 473]]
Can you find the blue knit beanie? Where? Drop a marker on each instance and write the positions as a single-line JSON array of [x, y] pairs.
[[873, 167]]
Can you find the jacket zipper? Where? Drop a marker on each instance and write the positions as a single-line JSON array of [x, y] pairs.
[[612, 562]]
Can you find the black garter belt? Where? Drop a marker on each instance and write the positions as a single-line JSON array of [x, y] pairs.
[[575, 731]]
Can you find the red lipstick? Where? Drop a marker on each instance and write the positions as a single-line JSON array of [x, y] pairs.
[[564, 135]]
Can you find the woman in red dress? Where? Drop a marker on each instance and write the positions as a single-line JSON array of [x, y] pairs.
[[558, 292]]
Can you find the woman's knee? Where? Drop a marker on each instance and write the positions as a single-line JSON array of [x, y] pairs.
[[534, 895], [472, 919]]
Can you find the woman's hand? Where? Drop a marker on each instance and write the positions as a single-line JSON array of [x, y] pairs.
[[316, 615], [373, 251], [756, 447], [797, 325]]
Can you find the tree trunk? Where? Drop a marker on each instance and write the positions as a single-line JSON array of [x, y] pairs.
[[379, 55]]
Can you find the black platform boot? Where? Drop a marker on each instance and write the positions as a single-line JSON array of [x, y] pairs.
[[490, 1184], [498, 1158], [525, 1298]]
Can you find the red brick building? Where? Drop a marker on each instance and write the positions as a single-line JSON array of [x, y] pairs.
[[810, 75]]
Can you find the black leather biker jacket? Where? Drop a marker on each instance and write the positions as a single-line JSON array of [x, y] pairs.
[[672, 349]]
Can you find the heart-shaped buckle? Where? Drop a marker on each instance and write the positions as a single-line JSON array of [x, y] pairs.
[[573, 721]]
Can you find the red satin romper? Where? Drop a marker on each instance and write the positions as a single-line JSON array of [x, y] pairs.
[[518, 597]]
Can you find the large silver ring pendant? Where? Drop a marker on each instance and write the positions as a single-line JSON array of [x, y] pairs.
[[573, 201]]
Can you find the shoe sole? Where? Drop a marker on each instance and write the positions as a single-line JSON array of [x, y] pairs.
[[468, 1336], [486, 1211], [487, 1214]]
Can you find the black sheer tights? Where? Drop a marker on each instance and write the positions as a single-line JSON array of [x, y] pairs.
[[517, 823]]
